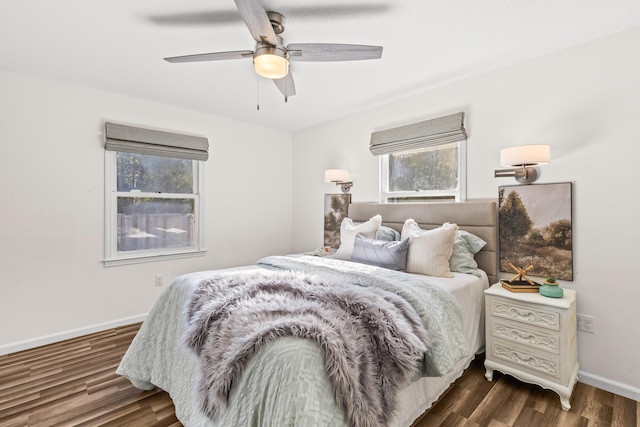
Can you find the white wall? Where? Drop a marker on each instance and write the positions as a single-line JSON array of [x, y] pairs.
[[52, 280], [584, 102]]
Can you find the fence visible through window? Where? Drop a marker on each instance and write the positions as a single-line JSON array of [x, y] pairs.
[[154, 231]]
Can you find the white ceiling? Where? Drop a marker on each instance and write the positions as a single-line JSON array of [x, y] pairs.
[[118, 46]]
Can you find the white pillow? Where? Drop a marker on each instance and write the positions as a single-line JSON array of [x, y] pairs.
[[348, 231], [429, 250]]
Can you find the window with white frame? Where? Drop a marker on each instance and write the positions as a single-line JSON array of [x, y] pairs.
[[154, 204], [425, 161]]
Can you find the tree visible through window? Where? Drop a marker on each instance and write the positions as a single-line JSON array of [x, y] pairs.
[[432, 173], [154, 174], [434, 168]]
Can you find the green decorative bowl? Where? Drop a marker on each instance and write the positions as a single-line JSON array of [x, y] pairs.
[[551, 290]]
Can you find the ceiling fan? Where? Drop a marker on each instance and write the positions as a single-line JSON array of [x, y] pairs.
[[271, 58]]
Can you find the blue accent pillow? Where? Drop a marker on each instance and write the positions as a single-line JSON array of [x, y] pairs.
[[387, 234], [391, 255], [465, 246]]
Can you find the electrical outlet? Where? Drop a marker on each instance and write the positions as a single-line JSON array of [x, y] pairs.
[[159, 280], [585, 323]]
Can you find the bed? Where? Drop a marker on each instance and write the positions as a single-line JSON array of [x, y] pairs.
[[284, 381]]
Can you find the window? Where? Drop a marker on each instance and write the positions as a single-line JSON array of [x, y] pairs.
[[153, 204], [430, 174], [425, 161]]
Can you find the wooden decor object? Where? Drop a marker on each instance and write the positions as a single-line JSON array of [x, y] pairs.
[[520, 282]]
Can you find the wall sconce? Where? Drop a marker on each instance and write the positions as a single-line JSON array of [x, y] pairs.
[[523, 161], [340, 177]]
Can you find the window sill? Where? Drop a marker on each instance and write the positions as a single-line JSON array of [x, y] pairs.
[[138, 259]]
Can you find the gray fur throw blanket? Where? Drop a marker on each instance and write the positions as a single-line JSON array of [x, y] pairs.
[[373, 340]]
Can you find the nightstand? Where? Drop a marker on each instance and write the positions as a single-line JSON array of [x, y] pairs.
[[321, 251], [533, 338]]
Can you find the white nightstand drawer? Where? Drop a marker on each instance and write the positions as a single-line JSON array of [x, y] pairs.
[[526, 314], [519, 333], [526, 360]]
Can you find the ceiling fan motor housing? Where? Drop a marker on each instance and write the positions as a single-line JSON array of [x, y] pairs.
[[267, 49], [277, 21]]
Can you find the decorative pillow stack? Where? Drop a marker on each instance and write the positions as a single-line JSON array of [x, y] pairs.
[[385, 254], [429, 250], [348, 232], [435, 252]]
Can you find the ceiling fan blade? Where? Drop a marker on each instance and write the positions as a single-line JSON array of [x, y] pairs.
[[256, 19], [318, 52], [215, 56], [207, 17], [286, 85]]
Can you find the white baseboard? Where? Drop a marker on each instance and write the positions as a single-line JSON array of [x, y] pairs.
[[53, 338], [609, 385]]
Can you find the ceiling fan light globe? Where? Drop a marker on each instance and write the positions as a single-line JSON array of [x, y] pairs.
[[271, 62]]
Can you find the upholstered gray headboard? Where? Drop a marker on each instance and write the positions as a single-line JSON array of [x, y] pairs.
[[479, 218]]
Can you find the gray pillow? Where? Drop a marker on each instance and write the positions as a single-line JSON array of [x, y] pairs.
[[387, 234], [391, 255], [465, 246]]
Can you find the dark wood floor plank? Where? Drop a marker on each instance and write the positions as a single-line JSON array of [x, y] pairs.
[[73, 383], [142, 417], [430, 419], [623, 411], [539, 398], [556, 417], [40, 353], [458, 420], [528, 417], [105, 419], [503, 403], [14, 372], [105, 402], [58, 384], [21, 421]]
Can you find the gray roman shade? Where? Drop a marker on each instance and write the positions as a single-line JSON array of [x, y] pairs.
[[419, 135], [130, 139]]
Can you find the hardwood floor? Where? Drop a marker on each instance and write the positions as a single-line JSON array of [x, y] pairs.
[[73, 383], [473, 401]]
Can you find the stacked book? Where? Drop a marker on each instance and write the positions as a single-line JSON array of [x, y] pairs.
[[520, 285]]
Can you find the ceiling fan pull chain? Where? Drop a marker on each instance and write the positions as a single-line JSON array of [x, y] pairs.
[[257, 92], [286, 98]]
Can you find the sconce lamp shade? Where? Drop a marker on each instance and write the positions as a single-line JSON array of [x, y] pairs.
[[523, 161], [340, 177], [336, 175], [525, 155]]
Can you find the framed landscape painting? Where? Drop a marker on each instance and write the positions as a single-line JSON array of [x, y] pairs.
[[336, 208], [535, 228]]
